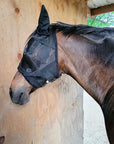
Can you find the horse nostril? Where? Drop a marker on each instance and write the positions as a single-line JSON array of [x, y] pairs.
[[21, 95], [11, 93], [20, 99]]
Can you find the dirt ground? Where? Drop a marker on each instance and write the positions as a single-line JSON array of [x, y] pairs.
[[94, 127]]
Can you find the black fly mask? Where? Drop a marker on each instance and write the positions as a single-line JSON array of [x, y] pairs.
[[39, 64]]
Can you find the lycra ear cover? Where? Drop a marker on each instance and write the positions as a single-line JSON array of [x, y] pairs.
[[44, 22]]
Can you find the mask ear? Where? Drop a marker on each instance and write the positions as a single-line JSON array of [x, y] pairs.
[[44, 22]]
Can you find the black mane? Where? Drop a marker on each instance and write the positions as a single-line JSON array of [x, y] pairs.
[[68, 29], [80, 29]]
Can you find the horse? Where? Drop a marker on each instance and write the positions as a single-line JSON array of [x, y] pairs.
[[85, 53]]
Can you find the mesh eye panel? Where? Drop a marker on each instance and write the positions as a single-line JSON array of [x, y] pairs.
[[40, 62]]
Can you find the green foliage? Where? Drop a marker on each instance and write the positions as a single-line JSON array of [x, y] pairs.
[[102, 20]]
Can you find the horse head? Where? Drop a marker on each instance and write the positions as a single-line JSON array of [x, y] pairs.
[[39, 64]]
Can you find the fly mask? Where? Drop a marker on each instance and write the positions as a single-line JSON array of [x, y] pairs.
[[39, 64]]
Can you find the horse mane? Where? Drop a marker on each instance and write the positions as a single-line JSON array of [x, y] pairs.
[[68, 29]]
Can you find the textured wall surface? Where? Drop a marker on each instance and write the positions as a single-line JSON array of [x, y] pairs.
[[54, 114], [94, 126]]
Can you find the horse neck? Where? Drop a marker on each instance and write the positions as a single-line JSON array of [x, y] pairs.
[[76, 59]]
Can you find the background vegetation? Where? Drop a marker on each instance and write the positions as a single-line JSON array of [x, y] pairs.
[[102, 20]]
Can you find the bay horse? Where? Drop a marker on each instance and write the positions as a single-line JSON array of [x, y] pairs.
[[86, 54]]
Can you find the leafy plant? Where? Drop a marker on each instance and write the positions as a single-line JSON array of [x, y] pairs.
[[102, 20]]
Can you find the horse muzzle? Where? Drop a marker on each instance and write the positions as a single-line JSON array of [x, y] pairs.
[[19, 97]]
